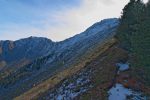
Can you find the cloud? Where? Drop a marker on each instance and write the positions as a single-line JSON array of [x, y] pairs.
[[64, 23], [76, 20]]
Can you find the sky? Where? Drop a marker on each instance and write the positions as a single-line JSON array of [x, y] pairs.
[[54, 19]]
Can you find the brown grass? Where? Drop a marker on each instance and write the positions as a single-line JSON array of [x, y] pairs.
[[104, 77], [57, 78], [2, 64]]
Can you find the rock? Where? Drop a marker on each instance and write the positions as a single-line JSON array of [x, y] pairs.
[[122, 66], [1, 50], [11, 45]]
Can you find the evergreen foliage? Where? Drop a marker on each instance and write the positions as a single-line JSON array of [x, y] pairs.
[[134, 34]]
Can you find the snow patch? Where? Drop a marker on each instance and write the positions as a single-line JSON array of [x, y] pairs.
[[72, 87], [119, 92], [122, 66]]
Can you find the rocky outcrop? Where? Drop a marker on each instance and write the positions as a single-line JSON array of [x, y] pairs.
[[6, 44], [11, 45], [1, 50]]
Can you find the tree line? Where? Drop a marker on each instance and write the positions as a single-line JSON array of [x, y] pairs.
[[134, 34]]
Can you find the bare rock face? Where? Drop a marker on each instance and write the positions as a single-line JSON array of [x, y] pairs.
[[1, 50], [11, 45]]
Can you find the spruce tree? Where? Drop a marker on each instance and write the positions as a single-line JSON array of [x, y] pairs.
[[124, 30], [134, 34]]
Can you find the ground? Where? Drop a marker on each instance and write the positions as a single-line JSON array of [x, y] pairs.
[[91, 81]]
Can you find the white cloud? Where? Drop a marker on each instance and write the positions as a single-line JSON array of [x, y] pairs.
[[76, 20], [59, 25]]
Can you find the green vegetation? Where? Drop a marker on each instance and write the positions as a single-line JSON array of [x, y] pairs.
[[134, 35]]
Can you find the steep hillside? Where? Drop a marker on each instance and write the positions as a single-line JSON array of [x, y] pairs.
[[16, 54], [92, 82], [134, 35], [28, 48], [20, 75], [93, 79], [43, 87]]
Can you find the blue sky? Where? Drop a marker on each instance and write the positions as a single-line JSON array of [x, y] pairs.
[[24, 11], [54, 19]]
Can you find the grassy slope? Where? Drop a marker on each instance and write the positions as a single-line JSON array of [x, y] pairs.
[[104, 77], [101, 72], [54, 80], [103, 61]]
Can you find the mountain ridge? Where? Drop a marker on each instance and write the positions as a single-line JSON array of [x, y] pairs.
[[56, 57]]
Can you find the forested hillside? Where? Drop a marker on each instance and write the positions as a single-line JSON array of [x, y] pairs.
[[134, 36]]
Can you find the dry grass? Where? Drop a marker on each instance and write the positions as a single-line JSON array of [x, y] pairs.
[[57, 78], [2, 64], [104, 77], [7, 70]]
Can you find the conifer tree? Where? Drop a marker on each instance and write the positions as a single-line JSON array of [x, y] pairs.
[[125, 22], [134, 34]]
